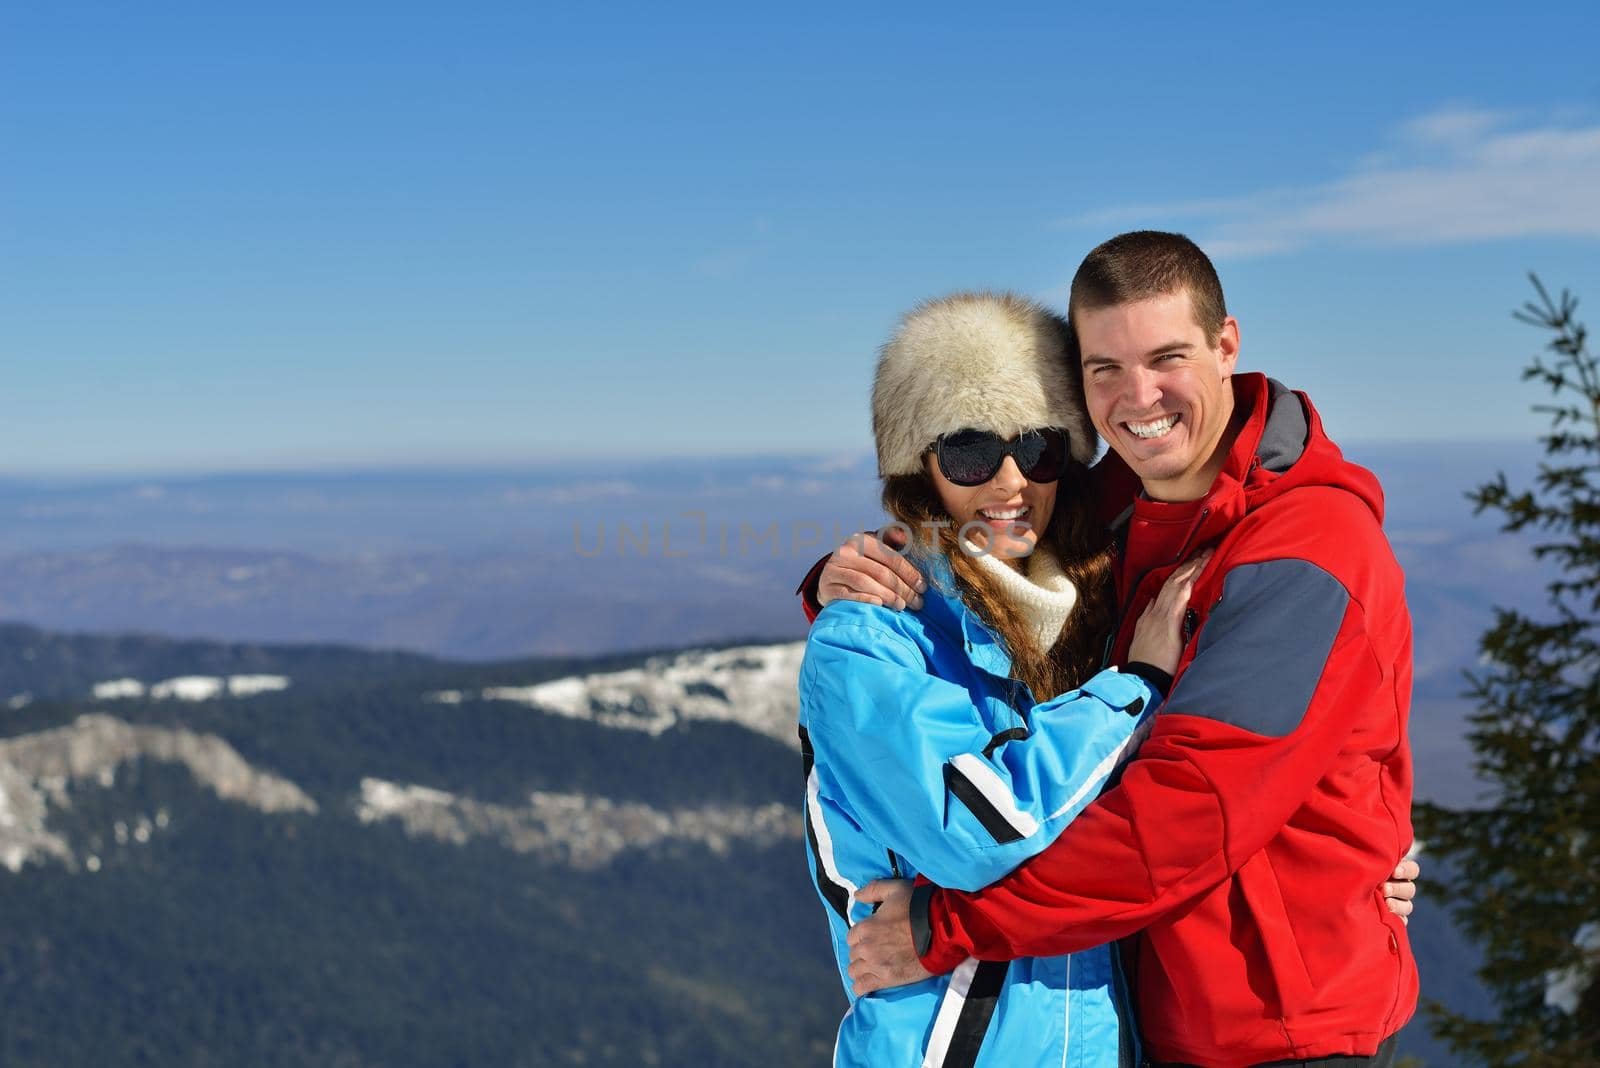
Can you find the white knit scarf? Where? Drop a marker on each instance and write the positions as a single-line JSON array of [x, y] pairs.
[[1045, 595]]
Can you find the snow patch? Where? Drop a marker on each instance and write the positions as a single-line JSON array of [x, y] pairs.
[[191, 687], [753, 686], [579, 830], [250, 685], [381, 799], [118, 689]]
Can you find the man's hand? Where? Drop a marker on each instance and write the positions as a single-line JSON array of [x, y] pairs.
[[1399, 893], [866, 568], [882, 953]]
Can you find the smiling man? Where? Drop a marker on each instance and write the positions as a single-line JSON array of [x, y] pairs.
[[1241, 854]]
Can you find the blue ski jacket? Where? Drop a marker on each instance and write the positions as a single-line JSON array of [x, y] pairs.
[[922, 756]]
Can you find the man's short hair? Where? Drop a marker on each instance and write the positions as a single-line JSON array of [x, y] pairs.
[[1149, 263]]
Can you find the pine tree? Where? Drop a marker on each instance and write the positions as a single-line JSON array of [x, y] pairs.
[[1526, 886]]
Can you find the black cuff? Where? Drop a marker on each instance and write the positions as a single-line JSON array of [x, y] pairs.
[[921, 929], [1159, 680]]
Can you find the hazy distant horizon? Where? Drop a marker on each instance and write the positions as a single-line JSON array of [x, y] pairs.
[[538, 462], [497, 561]]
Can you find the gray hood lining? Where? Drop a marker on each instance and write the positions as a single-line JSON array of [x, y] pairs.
[[1283, 439]]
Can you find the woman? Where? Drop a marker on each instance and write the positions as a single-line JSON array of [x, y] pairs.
[[950, 742]]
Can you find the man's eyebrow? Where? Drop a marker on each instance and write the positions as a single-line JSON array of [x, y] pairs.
[[1176, 345]]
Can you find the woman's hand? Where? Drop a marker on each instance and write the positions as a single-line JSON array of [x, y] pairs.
[[1158, 636]]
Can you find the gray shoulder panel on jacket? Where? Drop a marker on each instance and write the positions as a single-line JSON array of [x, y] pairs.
[[1262, 651]]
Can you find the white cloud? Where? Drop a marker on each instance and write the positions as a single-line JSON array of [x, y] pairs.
[[1454, 175], [1453, 125]]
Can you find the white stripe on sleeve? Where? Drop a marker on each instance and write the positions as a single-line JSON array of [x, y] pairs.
[[995, 791], [1097, 777]]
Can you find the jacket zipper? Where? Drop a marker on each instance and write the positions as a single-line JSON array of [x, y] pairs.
[[1122, 617]]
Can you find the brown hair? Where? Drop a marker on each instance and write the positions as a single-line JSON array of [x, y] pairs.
[[1079, 542], [1144, 264]]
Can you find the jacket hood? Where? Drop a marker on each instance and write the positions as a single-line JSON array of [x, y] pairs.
[[1282, 447]]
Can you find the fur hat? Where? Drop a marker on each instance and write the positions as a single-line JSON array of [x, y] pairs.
[[988, 361]]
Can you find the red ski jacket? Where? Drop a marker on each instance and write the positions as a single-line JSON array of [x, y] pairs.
[[1242, 852]]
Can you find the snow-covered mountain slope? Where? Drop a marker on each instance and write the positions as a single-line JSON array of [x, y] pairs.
[[574, 829], [752, 685], [749, 686], [39, 771]]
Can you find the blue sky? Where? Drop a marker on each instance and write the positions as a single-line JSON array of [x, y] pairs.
[[400, 233]]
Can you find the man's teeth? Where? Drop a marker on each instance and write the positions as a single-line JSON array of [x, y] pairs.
[[1008, 513], [1153, 429]]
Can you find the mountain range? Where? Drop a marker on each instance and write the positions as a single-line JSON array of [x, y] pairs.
[[241, 853], [387, 860]]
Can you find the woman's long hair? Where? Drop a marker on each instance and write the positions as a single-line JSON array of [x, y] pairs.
[[1079, 542]]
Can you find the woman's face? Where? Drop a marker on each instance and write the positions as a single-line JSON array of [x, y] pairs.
[[1004, 515]]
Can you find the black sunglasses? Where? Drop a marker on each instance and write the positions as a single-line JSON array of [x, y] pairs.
[[973, 457]]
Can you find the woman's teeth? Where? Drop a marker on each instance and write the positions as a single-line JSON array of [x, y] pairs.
[[1006, 513], [1152, 429]]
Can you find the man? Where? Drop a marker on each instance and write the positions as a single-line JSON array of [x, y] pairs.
[[1241, 853]]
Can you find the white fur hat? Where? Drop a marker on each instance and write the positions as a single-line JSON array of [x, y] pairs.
[[988, 361]]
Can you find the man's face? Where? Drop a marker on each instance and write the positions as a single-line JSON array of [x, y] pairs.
[[1158, 392]]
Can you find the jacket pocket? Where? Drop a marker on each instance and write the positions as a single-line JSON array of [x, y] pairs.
[[1284, 962], [1396, 930]]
